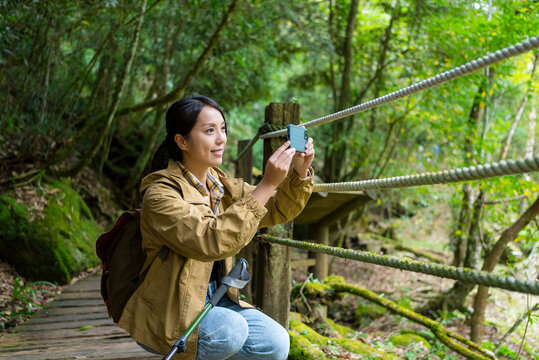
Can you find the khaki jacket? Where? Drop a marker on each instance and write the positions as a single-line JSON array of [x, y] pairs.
[[174, 290]]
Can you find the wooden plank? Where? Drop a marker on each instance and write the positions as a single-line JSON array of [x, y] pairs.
[[14, 344], [87, 284], [63, 334], [53, 311], [75, 303], [84, 350], [74, 295], [58, 325], [67, 317]]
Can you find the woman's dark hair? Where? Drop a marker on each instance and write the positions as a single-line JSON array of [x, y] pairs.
[[181, 117]]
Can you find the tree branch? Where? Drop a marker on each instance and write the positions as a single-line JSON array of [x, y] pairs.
[[491, 259], [334, 286]]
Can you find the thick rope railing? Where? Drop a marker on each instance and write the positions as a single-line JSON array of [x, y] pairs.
[[498, 56], [445, 271], [502, 168]]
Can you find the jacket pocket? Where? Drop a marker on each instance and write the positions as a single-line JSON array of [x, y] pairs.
[[155, 286]]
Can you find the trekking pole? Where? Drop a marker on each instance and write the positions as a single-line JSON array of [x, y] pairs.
[[237, 278]]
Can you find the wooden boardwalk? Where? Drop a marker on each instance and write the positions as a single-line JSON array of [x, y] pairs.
[[73, 326]]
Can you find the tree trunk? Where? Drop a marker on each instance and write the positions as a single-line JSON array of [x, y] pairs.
[[480, 300], [336, 151], [520, 110], [460, 236], [510, 234], [454, 297], [473, 248], [531, 131]]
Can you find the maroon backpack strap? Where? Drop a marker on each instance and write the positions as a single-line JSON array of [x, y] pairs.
[[106, 238]]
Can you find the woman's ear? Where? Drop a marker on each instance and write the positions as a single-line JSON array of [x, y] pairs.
[[181, 141]]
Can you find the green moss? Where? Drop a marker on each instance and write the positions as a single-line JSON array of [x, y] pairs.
[[301, 348], [405, 340], [343, 331], [366, 312], [305, 343], [54, 246]]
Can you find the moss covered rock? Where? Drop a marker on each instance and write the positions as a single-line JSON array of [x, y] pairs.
[[53, 241]]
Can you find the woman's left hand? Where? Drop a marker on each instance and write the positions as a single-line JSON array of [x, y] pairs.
[[302, 161]]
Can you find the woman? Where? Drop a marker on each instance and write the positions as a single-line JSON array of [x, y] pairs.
[[203, 218]]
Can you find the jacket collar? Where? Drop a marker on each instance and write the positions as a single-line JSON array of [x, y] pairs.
[[173, 175]]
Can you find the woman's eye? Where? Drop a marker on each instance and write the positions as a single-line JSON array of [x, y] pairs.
[[209, 130]]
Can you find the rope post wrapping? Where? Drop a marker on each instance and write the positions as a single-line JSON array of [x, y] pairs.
[[273, 275]]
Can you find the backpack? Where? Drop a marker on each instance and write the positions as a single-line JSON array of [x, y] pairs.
[[122, 260]]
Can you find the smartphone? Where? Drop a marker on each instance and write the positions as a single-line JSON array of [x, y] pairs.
[[298, 137]]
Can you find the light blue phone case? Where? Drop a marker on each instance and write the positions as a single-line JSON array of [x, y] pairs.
[[298, 137]]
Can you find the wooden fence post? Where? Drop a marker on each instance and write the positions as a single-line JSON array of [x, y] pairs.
[[244, 169], [321, 236], [273, 283]]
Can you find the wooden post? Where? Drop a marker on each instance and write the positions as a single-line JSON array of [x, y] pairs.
[[244, 169], [273, 283], [244, 166], [321, 236]]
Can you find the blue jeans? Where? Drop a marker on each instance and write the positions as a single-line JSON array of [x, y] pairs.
[[231, 332]]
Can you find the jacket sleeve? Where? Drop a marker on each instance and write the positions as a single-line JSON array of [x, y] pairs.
[[193, 230], [288, 200]]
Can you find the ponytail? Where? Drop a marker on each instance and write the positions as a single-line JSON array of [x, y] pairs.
[[161, 157]]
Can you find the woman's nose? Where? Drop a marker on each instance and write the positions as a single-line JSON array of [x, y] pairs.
[[221, 137]]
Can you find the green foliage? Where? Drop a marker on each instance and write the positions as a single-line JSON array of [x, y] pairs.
[[27, 293]]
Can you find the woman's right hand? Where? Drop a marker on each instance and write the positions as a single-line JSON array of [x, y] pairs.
[[276, 170], [278, 164]]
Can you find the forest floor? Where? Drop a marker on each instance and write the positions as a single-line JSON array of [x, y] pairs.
[[414, 289]]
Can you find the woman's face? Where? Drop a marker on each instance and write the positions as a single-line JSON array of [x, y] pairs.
[[205, 145]]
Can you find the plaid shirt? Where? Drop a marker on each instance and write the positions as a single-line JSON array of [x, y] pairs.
[[215, 187]]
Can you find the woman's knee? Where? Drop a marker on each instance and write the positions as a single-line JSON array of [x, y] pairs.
[[281, 344], [223, 333], [274, 345]]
